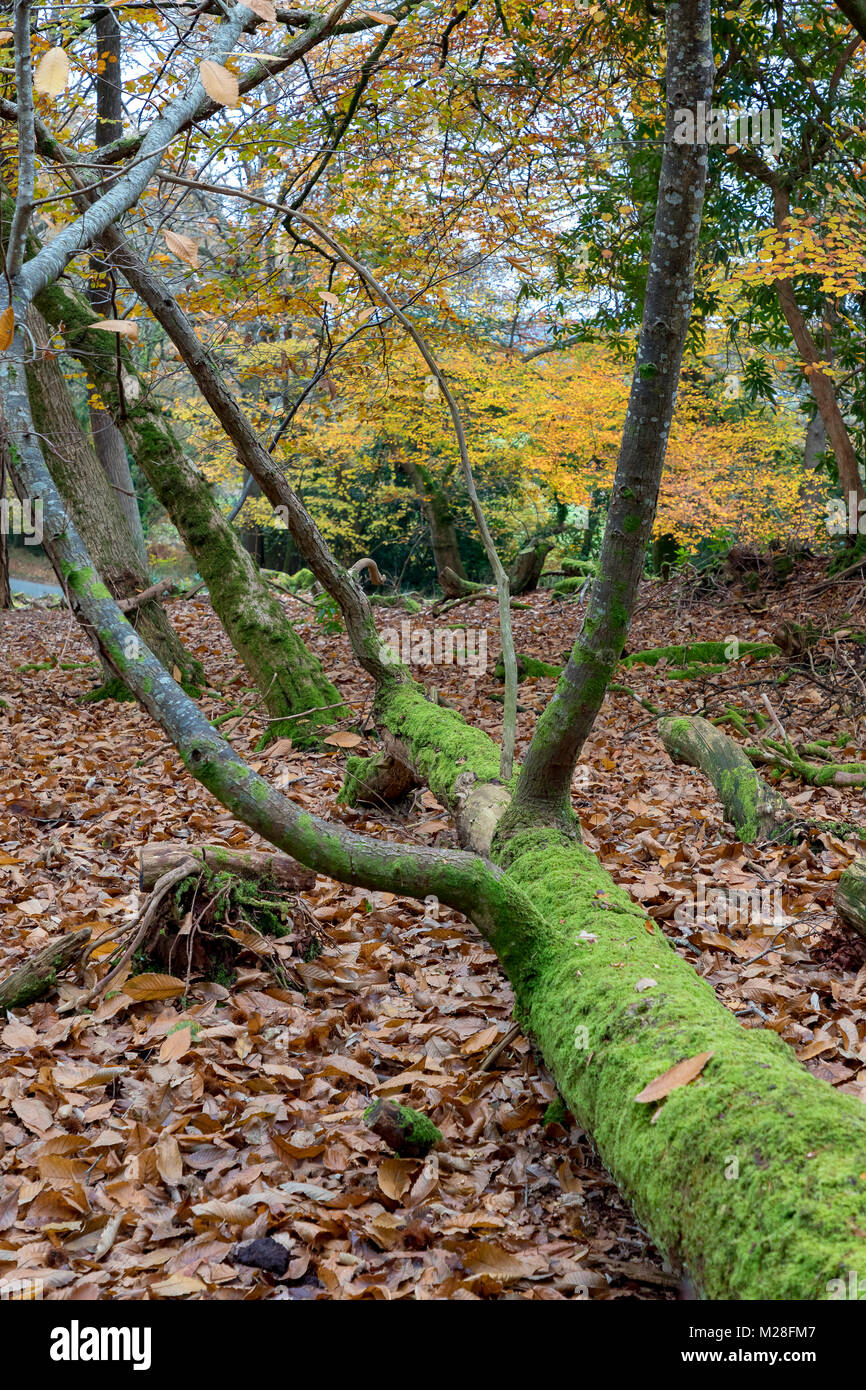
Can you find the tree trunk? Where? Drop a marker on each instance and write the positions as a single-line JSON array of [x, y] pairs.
[[855, 12], [38, 975], [107, 439], [543, 795], [268, 870], [289, 677], [5, 592], [83, 485], [850, 896], [822, 386], [440, 519], [528, 563], [751, 806]]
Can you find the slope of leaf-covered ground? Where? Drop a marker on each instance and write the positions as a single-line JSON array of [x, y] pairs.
[[141, 1142]]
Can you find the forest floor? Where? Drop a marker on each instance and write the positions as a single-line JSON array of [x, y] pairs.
[[135, 1153]]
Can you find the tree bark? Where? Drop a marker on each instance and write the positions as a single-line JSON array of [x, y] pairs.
[[107, 439], [289, 677], [83, 485], [28, 982], [440, 519], [270, 870], [855, 12], [755, 809], [5, 591], [850, 897], [543, 795], [822, 386]]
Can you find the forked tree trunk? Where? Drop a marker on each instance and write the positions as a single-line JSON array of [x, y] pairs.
[[543, 794], [752, 1174]]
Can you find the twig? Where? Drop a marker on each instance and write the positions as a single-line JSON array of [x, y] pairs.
[[504, 1042], [143, 921]]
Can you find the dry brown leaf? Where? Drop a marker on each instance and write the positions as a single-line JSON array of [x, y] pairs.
[[7, 333], [343, 738], [127, 328], [150, 986], [395, 1175], [182, 246], [169, 1163], [263, 8], [334, 303], [482, 1257], [678, 1075], [52, 73], [220, 84], [176, 1044]]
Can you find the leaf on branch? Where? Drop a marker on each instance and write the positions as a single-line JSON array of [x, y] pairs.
[[6, 35], [142, 988], [220, 84], [263, 8], [183, 247], [379, 17], [329, 298], [678, 1075], [7, 328], [52, 73], [127, 328]]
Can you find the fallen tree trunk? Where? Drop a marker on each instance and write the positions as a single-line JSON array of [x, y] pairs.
[[269, 870], [38, 974], [575, 948], [753, 808]]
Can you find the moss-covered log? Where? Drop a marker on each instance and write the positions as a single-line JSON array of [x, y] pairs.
[[38, 974], [754, 809], [275, 871], [850, 897], [754, 1175]]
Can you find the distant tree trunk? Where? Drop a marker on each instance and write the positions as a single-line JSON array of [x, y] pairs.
[[815, 443], [855, 12], [440, 518], [82, 484], [107, 439], [821, 385], [526, 567]]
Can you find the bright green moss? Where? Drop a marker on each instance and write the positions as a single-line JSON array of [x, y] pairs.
[[755, 1173]]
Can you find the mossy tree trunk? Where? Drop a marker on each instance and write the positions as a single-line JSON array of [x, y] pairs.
[[850, 897], [753, 1174], [543, 794], [753, 808], [439, 514], [90, 497], [288, 675]]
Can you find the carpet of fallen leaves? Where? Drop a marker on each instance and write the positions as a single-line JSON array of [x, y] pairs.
[[141, 1142]]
